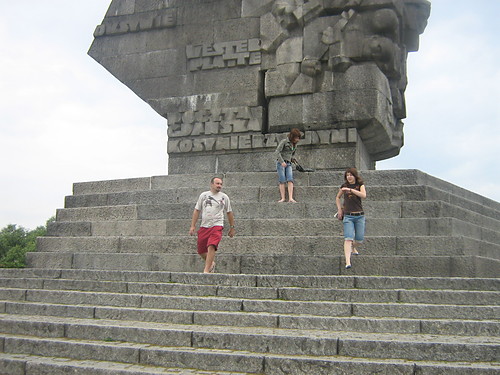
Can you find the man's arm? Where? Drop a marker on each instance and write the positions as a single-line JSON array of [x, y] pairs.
[[230, 218], [194, 219]]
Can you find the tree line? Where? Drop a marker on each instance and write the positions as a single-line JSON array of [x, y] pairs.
[[16, 241]]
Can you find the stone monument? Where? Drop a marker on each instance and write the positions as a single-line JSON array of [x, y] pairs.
[[232, 77]]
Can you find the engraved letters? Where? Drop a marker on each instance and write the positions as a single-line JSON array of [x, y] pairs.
[[223, 54], [167, 19], [215, 121], [230, 142]]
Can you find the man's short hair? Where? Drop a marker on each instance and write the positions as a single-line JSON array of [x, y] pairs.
[[213, 179]]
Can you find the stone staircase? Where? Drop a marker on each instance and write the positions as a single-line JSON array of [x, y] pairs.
[[116, 286], [417, 226]]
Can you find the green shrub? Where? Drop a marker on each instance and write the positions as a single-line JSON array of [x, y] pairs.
[[16, 241]]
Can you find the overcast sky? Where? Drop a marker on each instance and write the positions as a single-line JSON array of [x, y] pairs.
[[65, 119]]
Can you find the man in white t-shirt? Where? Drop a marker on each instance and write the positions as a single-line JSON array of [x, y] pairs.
[[212, 204]]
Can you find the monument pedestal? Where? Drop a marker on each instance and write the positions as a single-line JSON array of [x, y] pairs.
[[328, 150], [233, 77]]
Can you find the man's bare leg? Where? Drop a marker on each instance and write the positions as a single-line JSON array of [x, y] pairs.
[[209, 259]]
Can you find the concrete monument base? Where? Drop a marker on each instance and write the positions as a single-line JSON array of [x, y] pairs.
[[233, 77], [314, 151]]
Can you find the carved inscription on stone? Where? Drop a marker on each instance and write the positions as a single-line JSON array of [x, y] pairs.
[[256, 141], [214, 121], [166, 19], [223, 54]]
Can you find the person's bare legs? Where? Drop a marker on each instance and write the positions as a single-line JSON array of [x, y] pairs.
[[290, 192], [282, 193], [209, 258], [347, 252]]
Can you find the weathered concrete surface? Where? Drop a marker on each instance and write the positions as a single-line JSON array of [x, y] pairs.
[[234, 76]]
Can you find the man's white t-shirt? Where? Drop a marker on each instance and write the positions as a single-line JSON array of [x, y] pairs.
[[212, 207]]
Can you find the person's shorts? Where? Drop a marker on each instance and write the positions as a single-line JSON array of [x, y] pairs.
[[209, 237], [285, 174], [354, 228]]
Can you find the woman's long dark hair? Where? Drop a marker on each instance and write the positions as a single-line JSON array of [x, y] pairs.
[[356, 175]]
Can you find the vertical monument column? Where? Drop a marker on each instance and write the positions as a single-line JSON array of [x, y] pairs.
[[232, 77]]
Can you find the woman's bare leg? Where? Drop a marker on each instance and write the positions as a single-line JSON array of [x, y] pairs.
[[290, 192], [282, 193], [347, 252]]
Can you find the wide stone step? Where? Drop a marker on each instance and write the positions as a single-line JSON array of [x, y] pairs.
[[282, 293], [254, 339], [280, 306], [242, 211], [303, 281], [224, 353], [25, 364], [272, 227], [270, 194], [144, 354], [275, 365], [272, 245], [269, 179], [235, 179], [444, 266], [464, 326], [201, 181], [253, 194], [273, 210]]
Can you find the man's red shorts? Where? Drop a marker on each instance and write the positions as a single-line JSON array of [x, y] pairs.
[[208, 237]]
